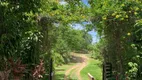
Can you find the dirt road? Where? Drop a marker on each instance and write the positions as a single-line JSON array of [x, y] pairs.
[[81, 62]]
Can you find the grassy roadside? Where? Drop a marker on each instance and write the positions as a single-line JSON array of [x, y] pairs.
[[60, 71], [93, 68], [73, 76]]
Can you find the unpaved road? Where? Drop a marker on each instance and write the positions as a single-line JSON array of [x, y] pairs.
[[82, 61]]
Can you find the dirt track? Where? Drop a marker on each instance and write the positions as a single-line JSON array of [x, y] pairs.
[[82, 61]]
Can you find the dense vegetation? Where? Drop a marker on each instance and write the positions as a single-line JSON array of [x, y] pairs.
[[119, 26], [32, 32]]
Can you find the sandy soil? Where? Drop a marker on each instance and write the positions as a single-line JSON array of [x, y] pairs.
[[81, 62]]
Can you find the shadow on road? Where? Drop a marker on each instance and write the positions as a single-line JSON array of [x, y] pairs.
[[76, 59]]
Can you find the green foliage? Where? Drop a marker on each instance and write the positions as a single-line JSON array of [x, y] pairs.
[[19, 35], [119, 25], [97, 50], [96, 73], [133, 71]]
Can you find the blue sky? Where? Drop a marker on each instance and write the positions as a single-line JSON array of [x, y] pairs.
[[92, 33], [85, 2], [94, 36]]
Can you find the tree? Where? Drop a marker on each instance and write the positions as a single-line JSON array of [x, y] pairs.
[[114, 21], [28, 31]]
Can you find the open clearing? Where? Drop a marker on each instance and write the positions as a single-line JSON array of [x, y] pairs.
[[78, 69]]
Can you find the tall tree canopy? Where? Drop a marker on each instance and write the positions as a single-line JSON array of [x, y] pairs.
[[118, 23], [34, 30]]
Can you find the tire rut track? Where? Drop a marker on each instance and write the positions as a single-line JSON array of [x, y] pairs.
[[78, 67]]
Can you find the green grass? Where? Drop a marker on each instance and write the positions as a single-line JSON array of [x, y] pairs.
[[94, 69], [73, 76], [60, 71]]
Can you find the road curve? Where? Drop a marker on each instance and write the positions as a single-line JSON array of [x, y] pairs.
[[77, 67]]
